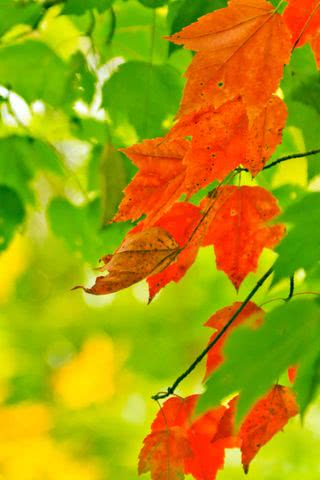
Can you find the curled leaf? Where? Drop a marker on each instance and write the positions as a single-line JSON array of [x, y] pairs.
[[140, 255]]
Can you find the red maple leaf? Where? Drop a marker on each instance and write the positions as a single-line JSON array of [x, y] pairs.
[[266, 418], [239, 230], [164, 453]]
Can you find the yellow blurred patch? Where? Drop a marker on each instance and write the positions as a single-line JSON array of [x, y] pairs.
[[43, 459], [60, 33], [89, 377], [23, 420], [13, 262], [28, 453]]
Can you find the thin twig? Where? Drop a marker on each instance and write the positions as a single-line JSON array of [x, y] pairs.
[[171, 390], [281, 299], [291, 157], [284, 159]]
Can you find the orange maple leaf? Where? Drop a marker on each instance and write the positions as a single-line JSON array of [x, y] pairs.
[[218, 321], [303, 20], [242, 50], [219, 142], [166, 448], [209, 436], [158, 183], [265, 134], [239, 230], [164, 453], [266, 418], [175, 412]]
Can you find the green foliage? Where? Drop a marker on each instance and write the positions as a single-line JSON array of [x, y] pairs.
[[143, 95], [81, 228], [153, 3], [301, 89], [11, 215], [79, 7], [78, 80], [301, 247], [15, 13], [33, 56], [21, 159]]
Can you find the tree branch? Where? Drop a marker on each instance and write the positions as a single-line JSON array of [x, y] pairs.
[[171, 390], [284, 159], [291, 157]]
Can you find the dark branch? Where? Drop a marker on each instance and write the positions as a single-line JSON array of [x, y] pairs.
[[285, 159], [291, 157], [171, 390]]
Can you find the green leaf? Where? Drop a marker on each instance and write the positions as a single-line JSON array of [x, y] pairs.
[[82, 80], [21, 158], [308, 380], [184, 12], [143, 95], [16, 13], [89, 130], [33, 71], [301, 87], [81, 228], [306, 119], [79, 7], [139, 33], [255, 359], [301, 247], [12, 214], [153, 3]]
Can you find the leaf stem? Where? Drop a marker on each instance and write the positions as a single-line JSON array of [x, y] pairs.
[[171, 390]]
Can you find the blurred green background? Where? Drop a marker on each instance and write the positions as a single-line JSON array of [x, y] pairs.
[[78, 80]]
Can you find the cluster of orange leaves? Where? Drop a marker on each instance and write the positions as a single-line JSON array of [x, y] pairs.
[[230, 116], [177, 445]]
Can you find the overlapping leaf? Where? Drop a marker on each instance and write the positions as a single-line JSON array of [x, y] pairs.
[[181, 222], [219, 139], [303, 21], [159, 182], [281, 341]]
